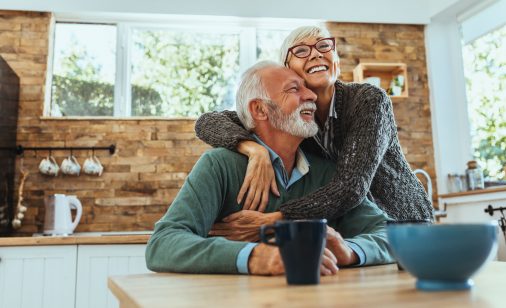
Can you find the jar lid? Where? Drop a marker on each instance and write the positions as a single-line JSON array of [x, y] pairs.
[[472, 164]]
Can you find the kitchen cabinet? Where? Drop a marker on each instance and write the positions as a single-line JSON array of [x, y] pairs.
[[96, 263], [65, 275], [37, 276], [469, 207]]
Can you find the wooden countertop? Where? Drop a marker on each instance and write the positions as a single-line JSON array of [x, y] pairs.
[[475, 192], [372, 286], [80, 239]]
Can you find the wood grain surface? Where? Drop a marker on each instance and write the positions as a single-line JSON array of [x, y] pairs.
[[376, 286]]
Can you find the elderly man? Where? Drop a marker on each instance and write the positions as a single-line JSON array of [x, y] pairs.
[[274, 104]]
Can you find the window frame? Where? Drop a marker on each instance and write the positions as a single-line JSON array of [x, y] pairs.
[[245, 28]]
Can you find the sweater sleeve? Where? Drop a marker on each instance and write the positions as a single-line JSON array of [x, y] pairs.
[[221, 129], [365, 226], [179, 242], [368, 137]]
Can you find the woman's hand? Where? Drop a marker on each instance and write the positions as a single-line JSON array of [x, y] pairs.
[[259, 179], [243, 225], [344, 254]]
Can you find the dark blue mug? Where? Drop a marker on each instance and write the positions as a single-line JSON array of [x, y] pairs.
[[301, 244]]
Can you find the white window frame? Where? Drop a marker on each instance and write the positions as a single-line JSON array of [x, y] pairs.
[[245, 28], [449, 107]]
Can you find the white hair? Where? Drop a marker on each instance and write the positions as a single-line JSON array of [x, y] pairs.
[[299, 35], [251, 88]]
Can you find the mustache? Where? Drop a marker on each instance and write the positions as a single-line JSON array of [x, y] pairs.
[[308, 105]]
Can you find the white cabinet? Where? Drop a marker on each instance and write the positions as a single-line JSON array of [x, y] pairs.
[[41, 276], [97, 262], [65, 275], [468, 207]]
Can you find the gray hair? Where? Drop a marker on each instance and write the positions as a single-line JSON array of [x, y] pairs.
[[251, 88], [301, 34]]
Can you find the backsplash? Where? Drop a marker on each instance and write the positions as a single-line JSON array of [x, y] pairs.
[[153, 157]]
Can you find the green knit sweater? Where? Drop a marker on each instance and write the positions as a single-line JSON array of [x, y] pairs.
[[180, 243]]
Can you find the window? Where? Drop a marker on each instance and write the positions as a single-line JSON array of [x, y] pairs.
[[131, 69], [485, 72], [183, 73], [83, 73]]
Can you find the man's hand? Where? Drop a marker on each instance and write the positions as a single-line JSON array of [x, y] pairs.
[[244, 225], [335, 242], [265, 260], [329, 263]]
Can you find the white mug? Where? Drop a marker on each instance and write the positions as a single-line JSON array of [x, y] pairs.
[[92, 166], [48, 166], [70, 166]]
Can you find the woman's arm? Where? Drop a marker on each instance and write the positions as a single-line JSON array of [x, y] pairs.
[[221, 129], [224, 129], [364, 146]]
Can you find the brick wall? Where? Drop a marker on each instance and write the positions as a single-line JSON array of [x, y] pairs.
[[395, 43], [154, 156]]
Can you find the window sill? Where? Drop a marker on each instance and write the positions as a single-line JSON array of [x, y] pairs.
[[96, 118]]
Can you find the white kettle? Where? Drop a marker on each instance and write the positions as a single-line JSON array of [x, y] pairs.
[[58, 218]]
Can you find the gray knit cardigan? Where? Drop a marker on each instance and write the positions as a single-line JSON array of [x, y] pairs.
[[370, 158]]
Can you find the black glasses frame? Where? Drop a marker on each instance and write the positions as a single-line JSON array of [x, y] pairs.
[[290, 50]]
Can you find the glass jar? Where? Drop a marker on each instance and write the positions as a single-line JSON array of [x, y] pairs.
[[454, 183], [474, 176]]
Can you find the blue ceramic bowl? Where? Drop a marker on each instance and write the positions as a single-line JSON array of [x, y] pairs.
[[443, 257]]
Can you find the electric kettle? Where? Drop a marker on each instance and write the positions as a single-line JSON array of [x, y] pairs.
[[58, 218]]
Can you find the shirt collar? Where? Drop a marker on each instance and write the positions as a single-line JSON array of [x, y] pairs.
[[301, 164], [332, 110]]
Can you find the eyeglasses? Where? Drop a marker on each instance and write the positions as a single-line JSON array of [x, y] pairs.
[[323, 45]]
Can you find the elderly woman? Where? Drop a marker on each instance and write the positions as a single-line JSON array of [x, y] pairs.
[[357, 130]]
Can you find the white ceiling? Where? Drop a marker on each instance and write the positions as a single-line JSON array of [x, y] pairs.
[[373, 11]]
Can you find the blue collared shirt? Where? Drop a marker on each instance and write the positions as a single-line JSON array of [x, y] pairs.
[[301, 168]]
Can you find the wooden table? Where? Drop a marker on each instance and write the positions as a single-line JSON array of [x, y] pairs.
[[374, 286]]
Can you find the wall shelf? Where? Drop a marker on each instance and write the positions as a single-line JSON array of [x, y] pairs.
[[385, 71]]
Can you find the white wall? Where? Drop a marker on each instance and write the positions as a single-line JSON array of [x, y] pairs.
[[450, 125]]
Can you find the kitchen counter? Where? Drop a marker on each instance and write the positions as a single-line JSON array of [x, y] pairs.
[[84, 238]]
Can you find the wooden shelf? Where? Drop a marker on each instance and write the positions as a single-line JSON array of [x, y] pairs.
[[385, 71], [475, 192]]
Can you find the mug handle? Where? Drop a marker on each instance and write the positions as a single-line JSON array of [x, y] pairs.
[[55, 164], [75, 203], [264, 237]]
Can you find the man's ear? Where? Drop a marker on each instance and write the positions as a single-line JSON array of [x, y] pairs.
[[258, 110]]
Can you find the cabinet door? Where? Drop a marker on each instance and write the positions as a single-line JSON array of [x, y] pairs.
[[470, 211], [96, 263], [42, 276]]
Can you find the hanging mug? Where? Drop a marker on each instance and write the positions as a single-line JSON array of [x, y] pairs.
[[92, 166], [48, 166], [70, 166]]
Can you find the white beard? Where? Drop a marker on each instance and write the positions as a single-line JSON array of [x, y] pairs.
[[293, 124]]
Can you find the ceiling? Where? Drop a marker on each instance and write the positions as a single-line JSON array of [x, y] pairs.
[[373, 11]]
